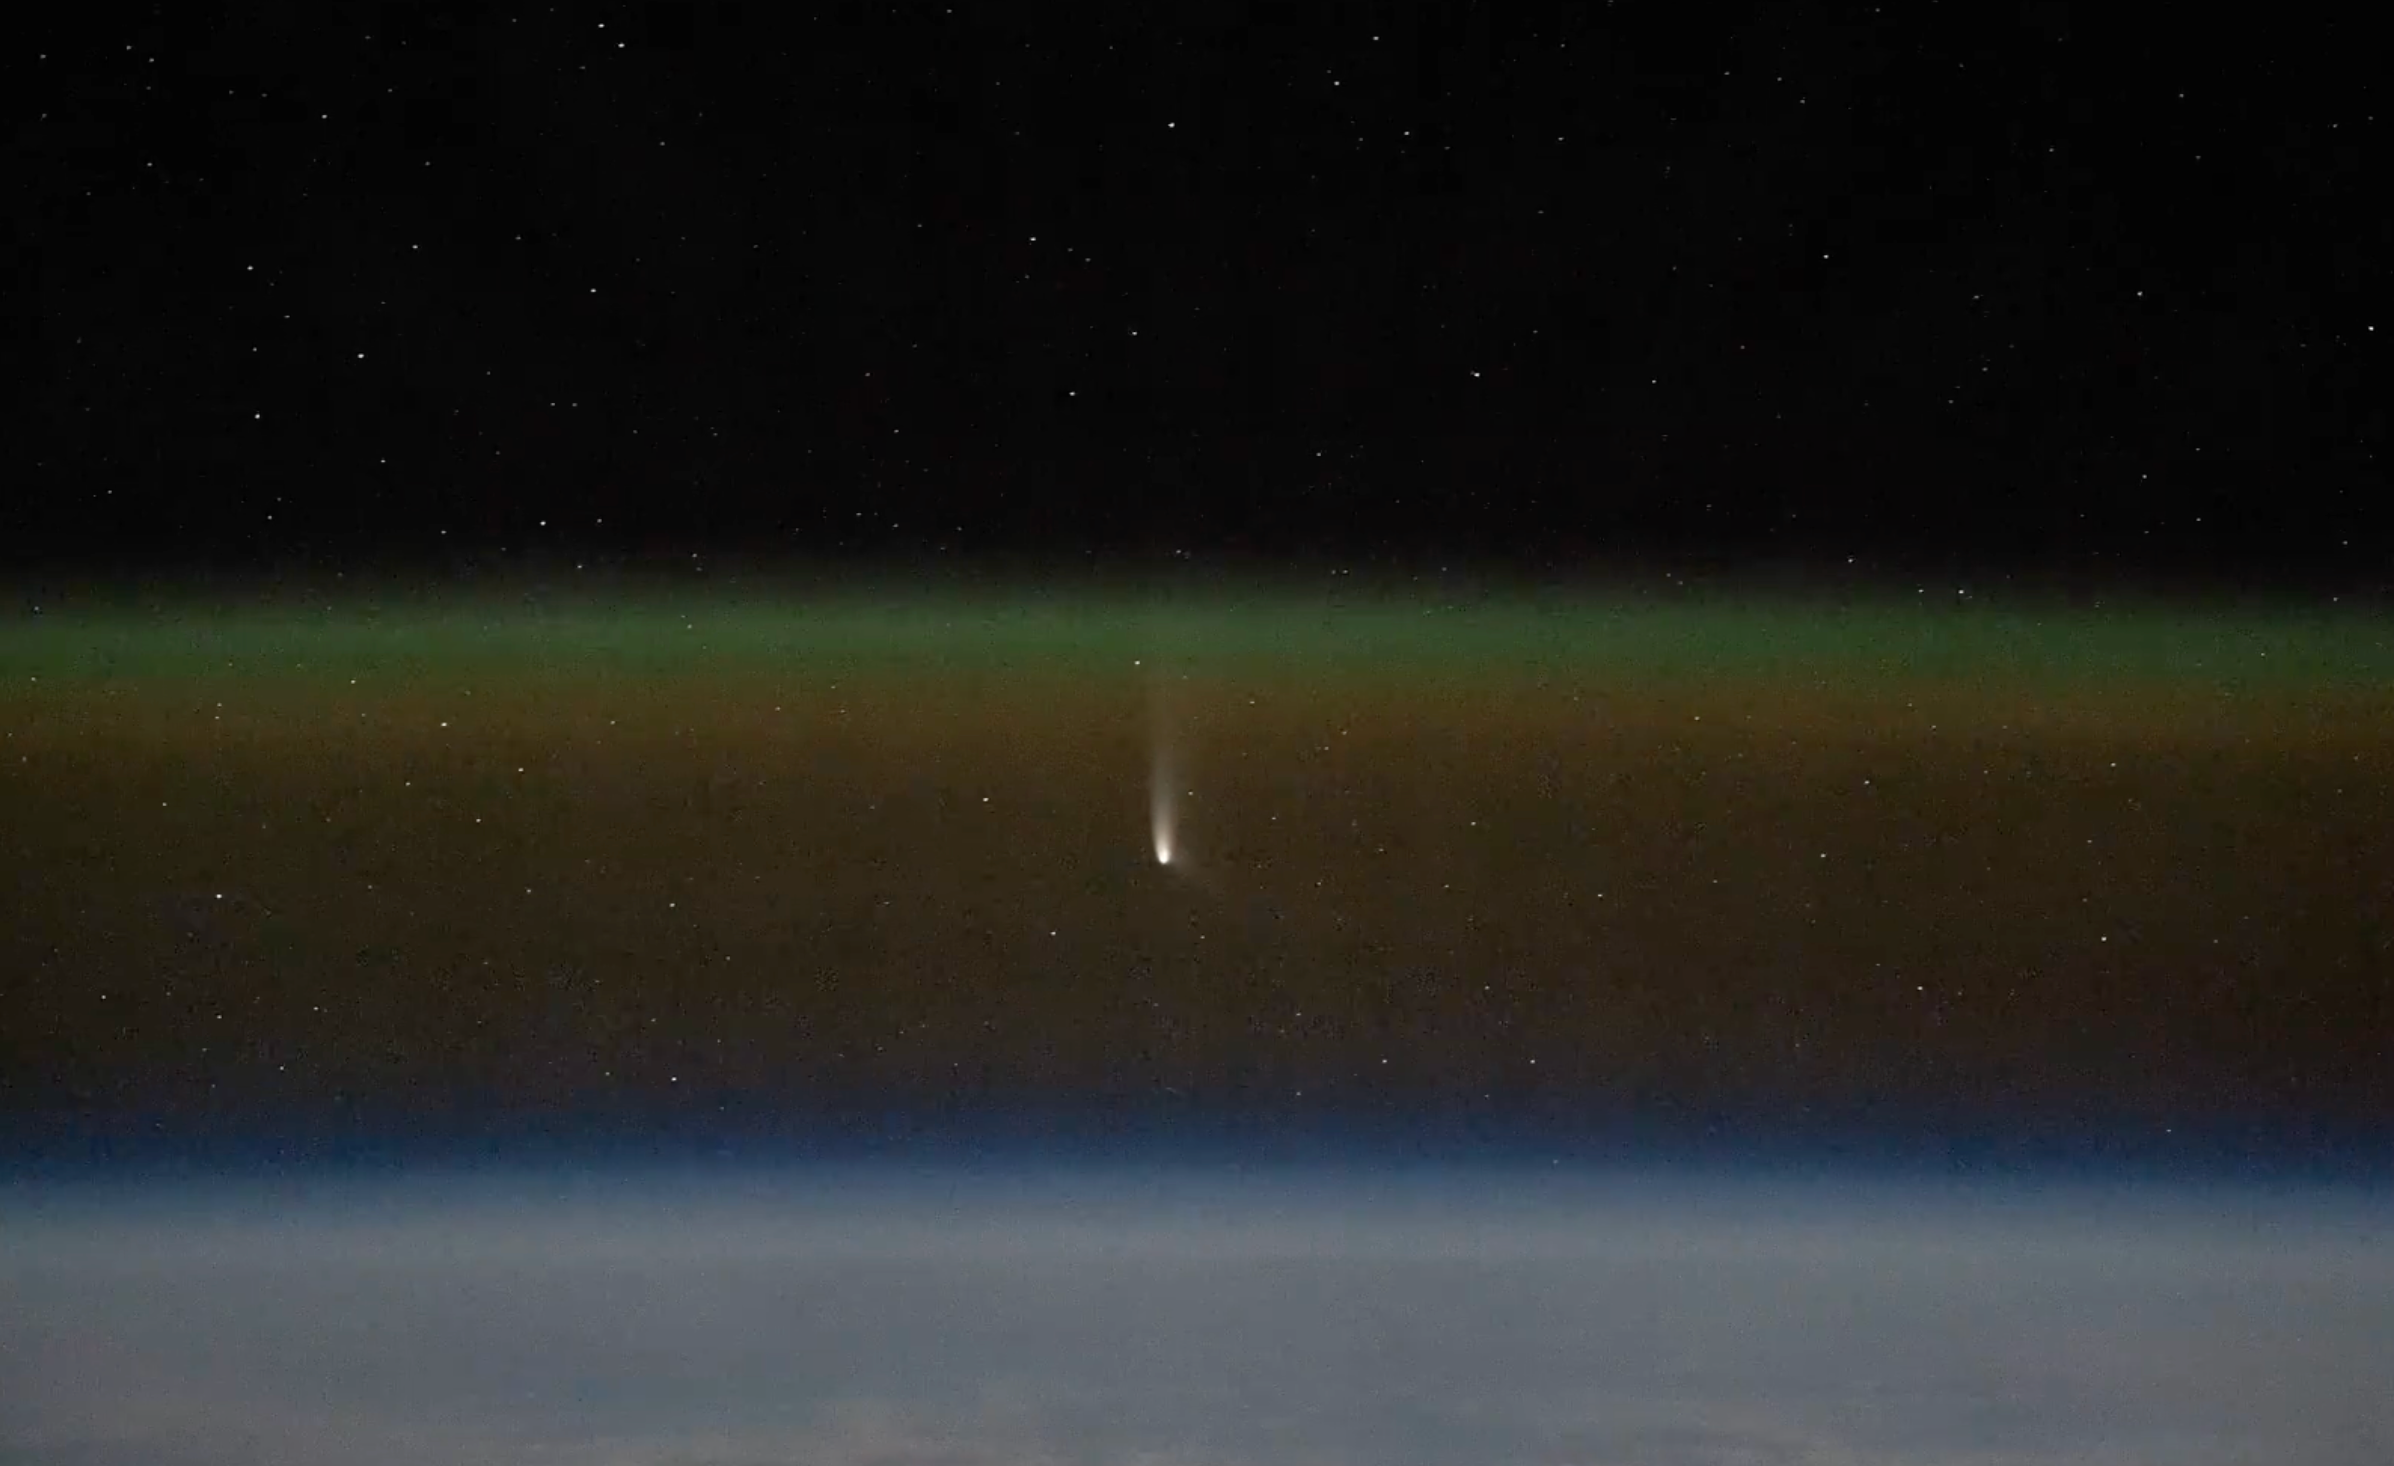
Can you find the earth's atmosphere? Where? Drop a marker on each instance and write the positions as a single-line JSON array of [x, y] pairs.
[[2030, 869]]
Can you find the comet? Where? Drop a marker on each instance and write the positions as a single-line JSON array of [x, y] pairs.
[[1163, 778], [1162, 775]]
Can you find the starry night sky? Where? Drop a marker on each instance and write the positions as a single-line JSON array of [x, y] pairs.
[[2010, 285], [386, 373]]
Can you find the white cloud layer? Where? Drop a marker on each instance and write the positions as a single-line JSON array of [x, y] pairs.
[[953, 1321]]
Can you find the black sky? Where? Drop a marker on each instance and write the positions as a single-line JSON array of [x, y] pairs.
[[2029, 285]]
